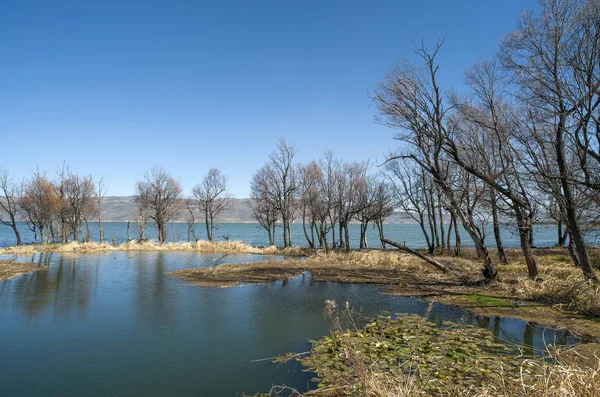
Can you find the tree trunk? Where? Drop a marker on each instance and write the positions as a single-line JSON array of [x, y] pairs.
[[571, 249], [310, 242], [570, 210], [524, 229], [488, 271], [347, 237], [496, 226], [379, 223], [404, 248], [457, 242]]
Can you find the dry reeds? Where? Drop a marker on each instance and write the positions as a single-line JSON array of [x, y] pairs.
[[232, 247]]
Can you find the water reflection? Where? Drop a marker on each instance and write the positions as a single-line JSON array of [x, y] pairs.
[[115, 323], [65, 288]]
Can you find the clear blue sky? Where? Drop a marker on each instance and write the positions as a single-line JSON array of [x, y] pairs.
[[116, 87]]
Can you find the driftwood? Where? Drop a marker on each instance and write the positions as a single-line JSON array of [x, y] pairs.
[[411, 251]]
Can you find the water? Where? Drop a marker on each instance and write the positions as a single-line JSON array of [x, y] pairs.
[[115, 324], [545, 236]]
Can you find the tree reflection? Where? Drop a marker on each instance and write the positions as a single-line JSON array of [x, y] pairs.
[[63, 289]]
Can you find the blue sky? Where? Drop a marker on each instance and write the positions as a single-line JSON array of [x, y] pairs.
[[116, 87]]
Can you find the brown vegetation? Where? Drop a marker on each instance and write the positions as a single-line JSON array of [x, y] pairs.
[[10, 269], [231, 247]]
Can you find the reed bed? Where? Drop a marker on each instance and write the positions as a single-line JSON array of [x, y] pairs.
[[230, 247]]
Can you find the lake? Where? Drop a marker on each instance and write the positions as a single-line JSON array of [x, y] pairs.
[[103, 324], [544, 236]]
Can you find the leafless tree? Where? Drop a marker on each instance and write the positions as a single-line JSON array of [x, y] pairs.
[[480, 143], [310, 180], [212, 198], [553, 61], [281, 166], [158, 195], [409, 182], [190, 207], [351, 179], [410, 99], [9, 202], [41, 202], [78, 202], [100, 193], [377, 206], [264, 207]]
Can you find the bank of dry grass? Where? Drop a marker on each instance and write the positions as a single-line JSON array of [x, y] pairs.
[[562, 379], [229, 247], [10, 269]]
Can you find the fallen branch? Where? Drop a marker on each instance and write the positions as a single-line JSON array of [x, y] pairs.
[[411, 251]]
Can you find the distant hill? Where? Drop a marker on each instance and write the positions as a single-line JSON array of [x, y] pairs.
[[124, 208]]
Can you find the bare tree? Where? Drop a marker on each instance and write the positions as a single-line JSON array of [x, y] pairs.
[[41, 202], [285, 184], [553, 60], [310, 179], [158, 196], [351, 179], [410, 99], [480, 143], [409, 182], [100, 193], [212, 198], [78, 202], [376, 207], [9, 203], [190, 219], [264, 207]]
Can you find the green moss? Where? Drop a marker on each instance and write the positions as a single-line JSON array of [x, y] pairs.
[[485, 300]]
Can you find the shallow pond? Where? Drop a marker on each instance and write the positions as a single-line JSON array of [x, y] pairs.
[[117, 324]]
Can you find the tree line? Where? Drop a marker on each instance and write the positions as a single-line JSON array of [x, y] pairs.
[[524, 138], [59, 209], [520, 146]]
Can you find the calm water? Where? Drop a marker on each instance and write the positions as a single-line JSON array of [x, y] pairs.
[[254, 234], [116, 324]]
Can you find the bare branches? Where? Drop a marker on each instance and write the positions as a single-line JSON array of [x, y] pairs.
[[158, 195], [212, 198]]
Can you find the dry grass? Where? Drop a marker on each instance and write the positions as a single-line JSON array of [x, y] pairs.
[[564, 379], [230, 247], [10, 269]]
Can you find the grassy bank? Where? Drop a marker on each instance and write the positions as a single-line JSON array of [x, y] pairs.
[[10, 269], [229, 247]]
